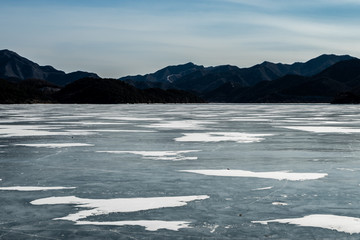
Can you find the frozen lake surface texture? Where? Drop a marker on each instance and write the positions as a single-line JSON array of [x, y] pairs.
[[211, 171]]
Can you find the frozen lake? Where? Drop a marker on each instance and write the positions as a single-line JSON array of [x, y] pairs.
[[212, 171]]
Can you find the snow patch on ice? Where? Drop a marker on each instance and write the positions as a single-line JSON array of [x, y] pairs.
[[281, 175], [95, 207], [183, 125], [264, 188], [345, 224], [159, 155], [122, 130], [324, 129], [33, 130], [150, 225], [222, 137], [111, 130], [279, 204], [133, 118]]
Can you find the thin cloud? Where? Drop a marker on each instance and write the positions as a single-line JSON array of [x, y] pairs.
[[281, 4], [128, 40]]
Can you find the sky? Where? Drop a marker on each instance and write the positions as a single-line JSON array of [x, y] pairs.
[[115, 38]]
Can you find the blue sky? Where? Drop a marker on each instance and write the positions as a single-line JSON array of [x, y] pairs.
[[115, 38]]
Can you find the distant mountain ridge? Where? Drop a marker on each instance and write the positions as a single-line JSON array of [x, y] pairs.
[[16, 68], [163, 78], [202, 79], [189, 76], [342, 77]]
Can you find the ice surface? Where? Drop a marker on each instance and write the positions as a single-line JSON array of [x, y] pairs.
[[283, 175], [54, 145], [339, 223], [35, 188], [102, 176], [222, 137]]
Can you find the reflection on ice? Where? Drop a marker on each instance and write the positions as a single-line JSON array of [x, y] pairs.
[[333, 222], [95, 207], [222, 137], [55, 145], [159, 155], [30, 188], [283, 175]]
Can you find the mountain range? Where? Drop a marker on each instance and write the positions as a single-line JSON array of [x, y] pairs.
[[327, 78], [342, 77], [202, 79]]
